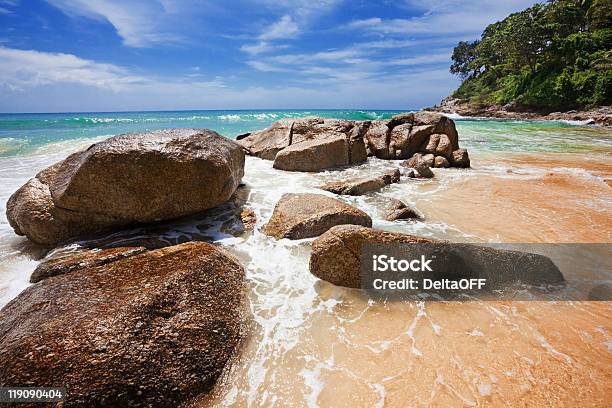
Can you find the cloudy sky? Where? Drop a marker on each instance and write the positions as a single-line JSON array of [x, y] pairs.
[[110, 55]]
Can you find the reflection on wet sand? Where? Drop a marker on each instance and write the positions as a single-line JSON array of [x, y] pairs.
[[313, 344]]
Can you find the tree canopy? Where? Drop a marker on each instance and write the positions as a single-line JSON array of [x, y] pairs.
[[551, 56]]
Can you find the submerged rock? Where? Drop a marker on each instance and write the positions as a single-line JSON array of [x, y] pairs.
[[306, 215], [361, 185], [127, 179], [152, 329], [336, 258]]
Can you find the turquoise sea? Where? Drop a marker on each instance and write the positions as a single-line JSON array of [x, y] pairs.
[[23, 134]]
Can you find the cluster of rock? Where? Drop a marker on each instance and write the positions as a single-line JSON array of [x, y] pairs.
[[309, 144], [127, 326], [315, 144], [450, 105]]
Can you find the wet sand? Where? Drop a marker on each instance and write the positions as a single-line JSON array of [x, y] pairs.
[[313, 344]]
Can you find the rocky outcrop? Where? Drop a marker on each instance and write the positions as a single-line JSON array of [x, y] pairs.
[[336, 258], [600, 116], [309, 144], [155, 328], [127, 179], [361, 185], [398, 210], [314, 144], [336, 254], [409, 133], [306, 215]]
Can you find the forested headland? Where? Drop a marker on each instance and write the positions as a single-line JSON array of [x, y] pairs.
[[553, 56]]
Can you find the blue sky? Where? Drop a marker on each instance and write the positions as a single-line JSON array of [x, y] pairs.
[[109, 55]]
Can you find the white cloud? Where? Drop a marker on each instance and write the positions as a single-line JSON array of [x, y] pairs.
[[20, 69], [441, 17], [261, 47], [140, 23], [23, 70], [283, 28]]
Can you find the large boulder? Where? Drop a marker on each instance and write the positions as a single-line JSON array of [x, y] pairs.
[[336, 254], [307, 215], [361, 185], [155, 328], [127, 179], [336, 257], [309, 144], [327, 151]]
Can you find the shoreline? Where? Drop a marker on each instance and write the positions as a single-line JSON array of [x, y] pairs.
[[600, 116]]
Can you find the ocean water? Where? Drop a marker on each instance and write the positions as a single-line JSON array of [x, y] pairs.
[[315, 344]]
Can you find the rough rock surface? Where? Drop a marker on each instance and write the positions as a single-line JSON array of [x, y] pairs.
[[152, 329], [398, 210], [327, 151], [127, 179], [306, 215], [309, 144], [81, 260], [336, 258], [460, 158], [361, 185], [421, 163], [335, 254], [409, 133]]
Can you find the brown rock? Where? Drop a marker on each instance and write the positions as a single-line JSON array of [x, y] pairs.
[[306, 215], [460, 158], [335, 254], [81, 260], [267, 142], [326, 152], [444, 147], [441, 162], [152, 329], [361, 185], [377, 139], [127, 179], [248, 218], [421, 164], [289, 139], [336, 257], [397, 210]]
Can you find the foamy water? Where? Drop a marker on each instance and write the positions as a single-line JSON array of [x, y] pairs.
[[311, 344]]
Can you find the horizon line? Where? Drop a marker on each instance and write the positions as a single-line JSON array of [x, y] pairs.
[[210, 110]]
